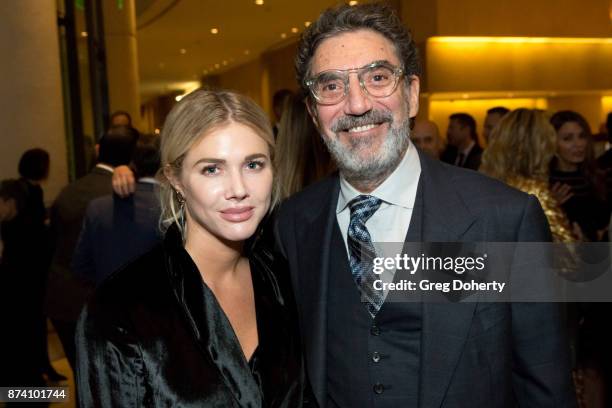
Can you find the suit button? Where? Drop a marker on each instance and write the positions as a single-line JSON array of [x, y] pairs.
[[374, 331], [376, 357], [379, 388]]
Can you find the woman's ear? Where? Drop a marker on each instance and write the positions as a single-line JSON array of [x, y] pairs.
[[173, 179]]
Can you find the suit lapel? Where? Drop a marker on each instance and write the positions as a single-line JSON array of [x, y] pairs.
[[314, 232], [445, 218]]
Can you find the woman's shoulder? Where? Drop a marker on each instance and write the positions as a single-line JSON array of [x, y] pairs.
[[127, 287]]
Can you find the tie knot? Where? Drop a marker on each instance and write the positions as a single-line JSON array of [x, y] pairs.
[[363, 207]]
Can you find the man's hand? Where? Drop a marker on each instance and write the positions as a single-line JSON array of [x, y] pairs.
[[124, 183], [561, 191]]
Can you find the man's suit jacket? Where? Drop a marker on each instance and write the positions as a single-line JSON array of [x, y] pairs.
[[472, 354], [472, 161], [117, 230], [66, 294]]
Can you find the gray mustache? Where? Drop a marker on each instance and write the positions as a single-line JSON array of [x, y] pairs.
[[368, 118]]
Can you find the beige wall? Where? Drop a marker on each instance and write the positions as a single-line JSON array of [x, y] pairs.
[[31, 111]]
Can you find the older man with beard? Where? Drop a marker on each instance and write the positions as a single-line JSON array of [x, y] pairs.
[[360, 68]]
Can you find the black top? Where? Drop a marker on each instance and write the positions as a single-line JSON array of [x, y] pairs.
[[154, 335], [585, 207]]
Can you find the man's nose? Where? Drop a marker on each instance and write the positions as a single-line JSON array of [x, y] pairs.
[[358, 102]]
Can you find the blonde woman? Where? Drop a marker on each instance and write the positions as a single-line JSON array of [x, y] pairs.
[[203, 319], [519, 152]]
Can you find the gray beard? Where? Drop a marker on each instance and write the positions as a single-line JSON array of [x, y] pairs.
[[375, 168]]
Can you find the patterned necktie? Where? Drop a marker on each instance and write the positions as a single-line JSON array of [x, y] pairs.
[[362, 251]]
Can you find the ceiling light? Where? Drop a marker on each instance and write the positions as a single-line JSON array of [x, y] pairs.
[[214, 31], [204, 72], [183, 51], [259, 2], [307, 23], [217, 66], [283, 35], [247, 52], [353, 3], [157, 130], [84, 34], [294, 30], [224, 62]]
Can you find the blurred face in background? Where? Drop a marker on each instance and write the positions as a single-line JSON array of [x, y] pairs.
[[226, 181], [8, 209], [426, 137], [571, 146], [458, 135], [490, 122]]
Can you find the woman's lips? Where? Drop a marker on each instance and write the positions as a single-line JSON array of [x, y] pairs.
[[239, 214]]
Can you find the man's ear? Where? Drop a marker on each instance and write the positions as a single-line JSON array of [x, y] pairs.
[[312, 110], [414, 87]]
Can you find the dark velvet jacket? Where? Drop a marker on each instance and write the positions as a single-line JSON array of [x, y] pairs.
[[154, 336]]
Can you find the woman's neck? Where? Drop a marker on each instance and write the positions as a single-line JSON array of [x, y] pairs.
[[566, 166], [216, 259]]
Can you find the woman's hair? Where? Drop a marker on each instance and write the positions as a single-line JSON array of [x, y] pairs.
[[34, 164], [301, 156], [195, 116], [522, 144], [589, 165]]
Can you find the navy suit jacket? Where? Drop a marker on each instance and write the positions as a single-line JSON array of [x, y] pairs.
[[472, 354], [116, 230]]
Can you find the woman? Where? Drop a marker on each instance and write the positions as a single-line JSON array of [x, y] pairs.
[[203, 319], [520, 148], [577, 183], [302, 157]]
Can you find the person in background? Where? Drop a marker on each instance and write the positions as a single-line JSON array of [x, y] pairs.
[[117, 230], [463, 149], [33, 170], [493, 117], [279, 101], [66, 293], [605, 161], [120, 118], [426, 137], [301, 157], [20, 306], [203, 319], [575, 179], [519, 152]]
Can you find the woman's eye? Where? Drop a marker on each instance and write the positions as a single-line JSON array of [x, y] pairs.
[[209, 170], [255, 165]]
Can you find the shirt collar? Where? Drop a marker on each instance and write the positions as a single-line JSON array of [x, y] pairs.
[[105, 167], [467, 150], [148, 180], [398, 189]]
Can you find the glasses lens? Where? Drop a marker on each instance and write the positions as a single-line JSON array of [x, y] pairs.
[[329, 87], [379, 81]]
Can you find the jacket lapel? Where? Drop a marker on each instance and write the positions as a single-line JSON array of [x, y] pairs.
[[445, 218], [313, 236]]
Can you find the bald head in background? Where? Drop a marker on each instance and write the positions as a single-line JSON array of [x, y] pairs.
[[426, 137]]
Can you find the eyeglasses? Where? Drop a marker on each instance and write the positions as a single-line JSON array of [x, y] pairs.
[[378, 79]]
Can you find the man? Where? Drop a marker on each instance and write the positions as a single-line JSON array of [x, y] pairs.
[[66, 294], [463, 149], [360, 68], [117, 230], [493, 117], [120, 118], [426, 137]]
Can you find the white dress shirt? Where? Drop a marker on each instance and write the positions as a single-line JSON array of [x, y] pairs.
[[390, 222]]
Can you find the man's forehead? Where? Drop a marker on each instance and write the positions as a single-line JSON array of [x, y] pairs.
[[353, 49]]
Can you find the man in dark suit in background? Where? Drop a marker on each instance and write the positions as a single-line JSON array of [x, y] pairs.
[[117, 230], [463, 149], [361, 70], [66, 294]]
